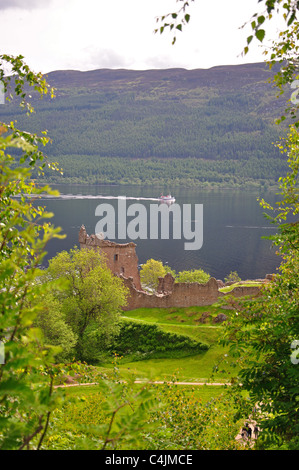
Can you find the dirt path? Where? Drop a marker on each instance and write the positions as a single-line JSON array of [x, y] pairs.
[[143, 382]]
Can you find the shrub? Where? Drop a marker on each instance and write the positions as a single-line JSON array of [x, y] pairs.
[[149, 340], [232, 277], [195, 275]]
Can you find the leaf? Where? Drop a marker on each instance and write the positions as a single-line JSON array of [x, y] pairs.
[[261, 19], [260, 34]]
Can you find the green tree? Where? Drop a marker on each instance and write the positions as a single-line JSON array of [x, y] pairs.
[[26, 377], [56, 331], [286, 9], [263, 334], [90, 303], [232, 277], [194, 275], [151, 271]]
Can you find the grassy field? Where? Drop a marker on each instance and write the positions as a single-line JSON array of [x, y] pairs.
[[189, 415], [183, 321]]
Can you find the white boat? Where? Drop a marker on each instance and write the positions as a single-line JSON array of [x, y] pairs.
[[168, 198]]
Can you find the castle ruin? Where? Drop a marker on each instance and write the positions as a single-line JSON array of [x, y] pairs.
[[122, 260]]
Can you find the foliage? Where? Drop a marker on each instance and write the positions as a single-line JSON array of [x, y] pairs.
[[26, 378], [14, 69], [285, 51], [172, 417], [175, 20], [215, 126], [146, 340], [153, 269], [89, 305], [287, 9], [121, 414], [56, 331], [194, 275], [232, 277], [173, 172], [268, 327], [185, 422], [150, 273], [112, 418]]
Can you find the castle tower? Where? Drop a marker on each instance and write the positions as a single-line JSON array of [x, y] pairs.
[[121, 259]]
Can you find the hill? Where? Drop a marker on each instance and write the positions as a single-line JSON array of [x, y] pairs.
[[102, 117]]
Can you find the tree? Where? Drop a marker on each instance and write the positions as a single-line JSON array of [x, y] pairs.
[[56, 331], [89, 305], [26, 378], [287, 9], [194, 275], [151, 271], [263, 333], [232, 277]]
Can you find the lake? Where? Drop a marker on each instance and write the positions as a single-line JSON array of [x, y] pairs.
[[233, 227]]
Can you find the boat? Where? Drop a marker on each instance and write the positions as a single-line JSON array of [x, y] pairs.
[[168, 198]]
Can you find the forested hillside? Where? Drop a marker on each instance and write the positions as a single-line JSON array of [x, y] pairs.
[[217, 124]]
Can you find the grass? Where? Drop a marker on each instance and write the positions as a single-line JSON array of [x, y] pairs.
[[205, 393], [183, 321], [176, 316], [227, 289], [83, 411]]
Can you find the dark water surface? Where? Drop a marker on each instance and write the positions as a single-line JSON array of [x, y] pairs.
[[233, 227]]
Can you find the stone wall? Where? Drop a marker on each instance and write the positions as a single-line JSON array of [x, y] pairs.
[[182, 295], [171, 294], [242, 291]]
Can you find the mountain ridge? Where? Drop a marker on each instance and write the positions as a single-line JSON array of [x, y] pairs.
[[102, 121], [57, 78]]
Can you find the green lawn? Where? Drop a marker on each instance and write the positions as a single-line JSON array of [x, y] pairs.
[[184, 321], [185, 316], [227, 289]]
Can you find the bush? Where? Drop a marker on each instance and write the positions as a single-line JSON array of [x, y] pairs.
[[148, 340], [195, 275], [232, 277]]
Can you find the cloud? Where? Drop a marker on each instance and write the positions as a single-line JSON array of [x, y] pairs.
[[95, 58], [23, 4]]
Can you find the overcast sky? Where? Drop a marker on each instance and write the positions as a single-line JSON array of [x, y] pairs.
[[92, 34]]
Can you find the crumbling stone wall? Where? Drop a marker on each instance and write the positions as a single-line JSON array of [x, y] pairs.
[[242, 291], [171, 294], [121, 259], [182, 295], [166, 284]]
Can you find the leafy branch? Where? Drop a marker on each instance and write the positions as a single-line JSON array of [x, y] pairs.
[[175, 20]]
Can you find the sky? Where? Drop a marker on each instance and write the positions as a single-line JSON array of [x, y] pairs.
[[93, 34]]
